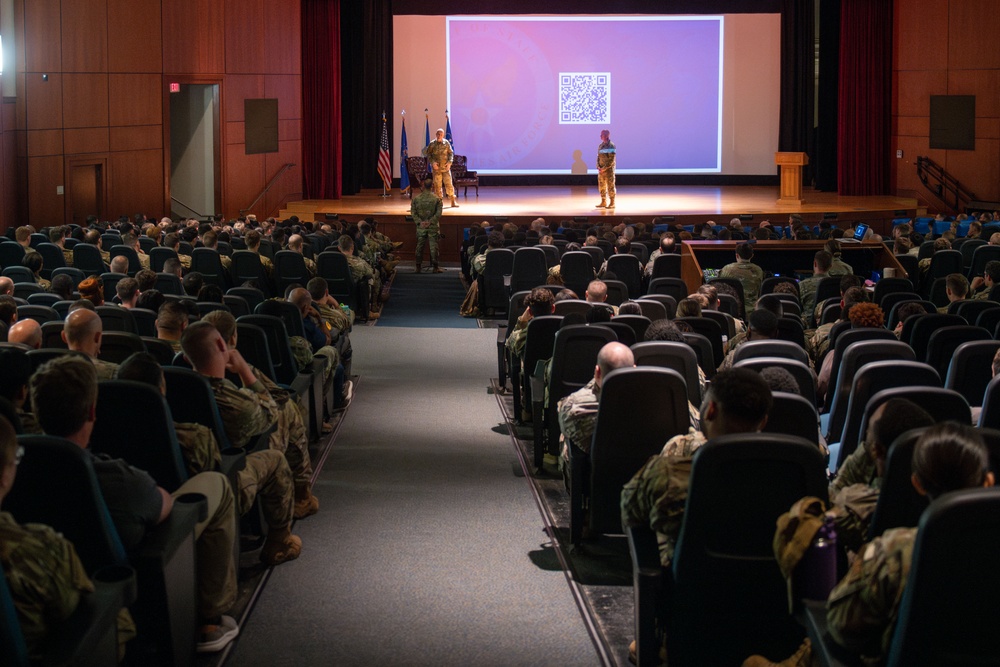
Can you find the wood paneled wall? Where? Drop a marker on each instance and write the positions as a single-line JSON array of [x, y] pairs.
[[942, 47], [93, 78]]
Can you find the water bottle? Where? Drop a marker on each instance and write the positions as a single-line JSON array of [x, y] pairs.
[[816, 574]]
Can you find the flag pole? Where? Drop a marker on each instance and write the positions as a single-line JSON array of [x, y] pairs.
[[384, 156]]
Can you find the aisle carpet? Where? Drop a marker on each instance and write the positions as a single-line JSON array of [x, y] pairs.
[[428, 548], [426, 300]]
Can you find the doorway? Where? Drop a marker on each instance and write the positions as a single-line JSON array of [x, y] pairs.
[[195, 151]]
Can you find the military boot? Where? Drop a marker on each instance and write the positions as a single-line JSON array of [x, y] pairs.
[[454, 203], [281, 546], [603, 203], [802, 658], [419, 268], [306, 504], [611, 203]]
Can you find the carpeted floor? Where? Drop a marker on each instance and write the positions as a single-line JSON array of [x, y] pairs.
[[426, 300], [428, 548]]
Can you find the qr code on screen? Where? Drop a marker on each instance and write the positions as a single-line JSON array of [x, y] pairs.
[[584, 98]]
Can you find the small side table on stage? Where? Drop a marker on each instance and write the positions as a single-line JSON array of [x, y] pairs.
[[790, 190]]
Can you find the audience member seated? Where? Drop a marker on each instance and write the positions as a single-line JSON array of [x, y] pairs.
[[63, 286], [597, 292], [362, 272], [253, 408], [173, 241], [33, 262], [128, 291], [689, 308], [266, 474], [119, 264], [749, 274], [956, 287], [64, 396], [92, 289], [82, 332], [807, 288], [319, 338], [145, 279], [818, 344], [838, 267], [861, 315], [192, 283], [762, 325], [983, 285], [17, 371], [26, 332], [577, 412]]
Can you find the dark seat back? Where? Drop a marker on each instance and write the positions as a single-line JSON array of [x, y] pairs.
[[770, 348], [679, 357], [208, 263], [944, 341], [703, 350], [628, 270], [890, 286], [134, 265], [711, 330], [971, 369], [855, 356], [673, 287], [668, 303], [247, 267], [924, 326], [192, 400], [158, 256], [493, 292], [117, 346], [87, 258], [169, 284], [899, 505], [116, 318], [287, 312], [638, 324], [528, 270], [289, 269], [577, 270], [40, 314], [285, 367], [792, 414], [667, 265], [804, 376]]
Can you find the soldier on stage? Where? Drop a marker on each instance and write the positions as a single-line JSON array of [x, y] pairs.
[[426, 211], [606, 170], [439, 155]]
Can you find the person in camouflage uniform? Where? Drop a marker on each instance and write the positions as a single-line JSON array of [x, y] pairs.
[[210, 240], [82, 332], [173, 241], [338, 320], [295, 245], [425, 208], [254, 408], [440, 156], [838, 267], [737, 401], [361, 272], [606, 170], [171, 320], [577, 412], [44, 574], [749, 274], [862, 608], [266, 474], [57, 235], [253, 245], [822, 262]]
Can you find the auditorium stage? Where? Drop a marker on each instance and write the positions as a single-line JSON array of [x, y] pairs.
[[641, 203]]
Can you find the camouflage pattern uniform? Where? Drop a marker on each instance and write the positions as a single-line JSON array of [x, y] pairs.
[[819, 342], [517, 338], [750, 276], [859, 468], [106, 370], [807, 295], [266, 474], [862, 608], [28, 422], [310, 266], [143, 259], [656, 495], [67, 256], [984, 293], [840, 268], [335, 317], [426, 208], [361, 272], [440, 153], [577, 414], [227, 263], [606, 161], [291, 436], [185, 261]]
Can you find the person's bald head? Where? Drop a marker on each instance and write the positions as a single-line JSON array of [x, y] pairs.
[[26, 332], [597, 291], [611, 357], [82, 331], [6, 285], [301, 298], [295, 242], [119, 264]]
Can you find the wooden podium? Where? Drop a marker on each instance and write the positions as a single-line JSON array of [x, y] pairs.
[[790, 190]]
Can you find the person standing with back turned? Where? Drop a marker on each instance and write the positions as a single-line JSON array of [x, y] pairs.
[[426, 211], [606, 170]]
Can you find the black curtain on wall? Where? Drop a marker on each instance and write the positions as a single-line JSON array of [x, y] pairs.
[[829, 76], [797, 79], [366, 89]]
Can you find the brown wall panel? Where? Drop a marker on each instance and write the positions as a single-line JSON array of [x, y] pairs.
[[915, 20], [978, 170], [136, 99], [968, 20], [289, 130], [239, 87], [44, 142], [236, 132], [244, 178], [193, 38], [9, 195], [289, 185], [987, 128], [136, 183], [983, 83], [45, 174], [245, 52], [42, 41], [288, 90], [20, 104], [85, 35], [86, 140], [140, 137], [85, 100], [915, 89], [43, 110], [919, 126], [136, 45], [283, 23]]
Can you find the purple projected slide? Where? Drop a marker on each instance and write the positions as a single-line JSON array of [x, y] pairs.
[[532, 95]]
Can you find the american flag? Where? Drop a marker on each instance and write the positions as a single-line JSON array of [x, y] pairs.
[[384, 161]]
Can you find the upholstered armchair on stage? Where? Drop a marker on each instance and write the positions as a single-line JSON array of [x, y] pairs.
[[462, 177], [416, 167]]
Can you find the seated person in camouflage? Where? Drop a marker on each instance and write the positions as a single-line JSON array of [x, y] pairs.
[[761, 325], [854, 492], [577, 412], [340, 321], [539, 302], [749, 274], [295, 243], [265, 476], [45, 576], [210, 240], [737, 401], [668, 246], [14, 385], [956, 288], [838, 267], [82, 332], [254, 407], [64, 396], [93, 237], [57, 236], [173, 241], [862, 315], [253, 245], [361, 272], [862, 608], [319, 337], [132, 241], [822, 262], [983, 285], [819, 342]]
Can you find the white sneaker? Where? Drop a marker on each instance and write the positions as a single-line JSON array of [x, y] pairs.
[[217, 637], [348, 393]]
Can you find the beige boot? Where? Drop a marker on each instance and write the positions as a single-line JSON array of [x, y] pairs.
[[603, 203], [801, 658], [281, 546], [611, 203], [306, 504], [454, 203]]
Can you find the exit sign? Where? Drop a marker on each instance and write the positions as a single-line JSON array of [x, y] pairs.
[[175, 87]]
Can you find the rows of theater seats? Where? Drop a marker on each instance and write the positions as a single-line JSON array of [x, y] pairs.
[[724, 572], [157, 582]]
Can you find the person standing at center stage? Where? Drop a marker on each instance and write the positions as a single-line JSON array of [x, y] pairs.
[[439, 155], [606, 170], [426, 211]]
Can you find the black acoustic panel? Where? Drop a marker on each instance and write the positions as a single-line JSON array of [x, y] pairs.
[[953, 122], [261, 118]]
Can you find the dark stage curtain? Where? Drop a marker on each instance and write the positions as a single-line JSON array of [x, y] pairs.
[[322, 140], [797, 78], [366, 66], [864, 97], [825, 160]]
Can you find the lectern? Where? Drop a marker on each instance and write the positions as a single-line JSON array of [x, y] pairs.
[[790, 190]]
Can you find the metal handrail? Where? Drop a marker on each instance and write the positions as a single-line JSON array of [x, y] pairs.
[[286, 167], [945, 184], [200, 215]]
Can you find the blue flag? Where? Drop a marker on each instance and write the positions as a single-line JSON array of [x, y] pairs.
[[447, 131], [404, 175], [427, 136]]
